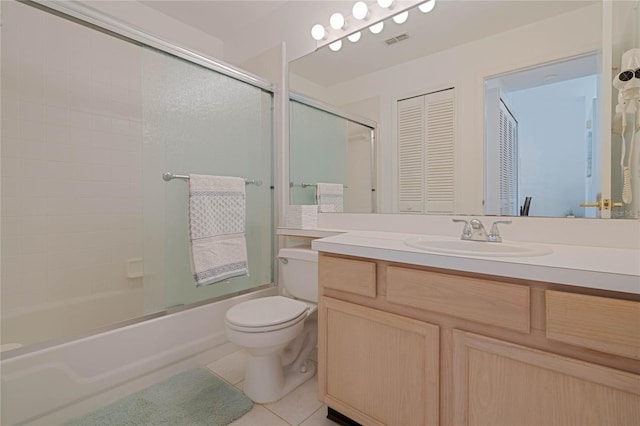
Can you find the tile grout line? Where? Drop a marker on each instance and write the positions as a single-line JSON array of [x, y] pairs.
[[311, 415], [276, 414]]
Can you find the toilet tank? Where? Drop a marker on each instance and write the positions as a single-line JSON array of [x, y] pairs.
[[299, 272]]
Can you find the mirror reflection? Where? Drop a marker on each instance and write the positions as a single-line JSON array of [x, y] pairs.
[[540, 157], [331, 159], [440, 75]]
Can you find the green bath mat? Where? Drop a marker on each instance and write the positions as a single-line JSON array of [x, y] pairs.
[[195, 397]]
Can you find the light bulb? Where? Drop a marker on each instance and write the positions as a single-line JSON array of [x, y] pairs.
[[336, 45], [427, 7], [354, 37], [360, 11], [385, 4], [337, 21], [401, 18], [377, 28], [318, 32]]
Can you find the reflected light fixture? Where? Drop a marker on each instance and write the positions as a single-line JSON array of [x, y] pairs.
[[318, 32], [360, 11], [427, 7], [401, 18], [377, 28], [337, 21], [385, 4], [336, 45], [355, 37]]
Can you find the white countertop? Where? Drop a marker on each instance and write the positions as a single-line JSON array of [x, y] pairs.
[[593, 267]]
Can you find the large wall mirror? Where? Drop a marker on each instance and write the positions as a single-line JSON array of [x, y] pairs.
[[436, 86]]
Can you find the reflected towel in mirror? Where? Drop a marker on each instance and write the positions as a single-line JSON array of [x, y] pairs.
[[330, 197]]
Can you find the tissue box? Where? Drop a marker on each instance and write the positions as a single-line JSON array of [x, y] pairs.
[[302, 217]]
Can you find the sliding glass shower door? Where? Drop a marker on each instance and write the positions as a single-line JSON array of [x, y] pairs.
[[198, 121], [92, 236]]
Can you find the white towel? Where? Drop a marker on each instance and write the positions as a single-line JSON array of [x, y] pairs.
[[217, 228], [330, 197]]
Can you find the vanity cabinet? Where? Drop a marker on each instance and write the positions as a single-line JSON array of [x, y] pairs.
[[378, 368], [402, 344], [501, 384]]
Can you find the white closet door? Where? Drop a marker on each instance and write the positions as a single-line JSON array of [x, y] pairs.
[[410, 139], [426, 153], [508, 162], [440, 151]]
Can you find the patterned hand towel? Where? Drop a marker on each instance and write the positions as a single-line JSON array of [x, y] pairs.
[[217, 228], [330, 197]]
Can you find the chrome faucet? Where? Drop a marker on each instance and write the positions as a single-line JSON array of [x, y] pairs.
[[474, 231]]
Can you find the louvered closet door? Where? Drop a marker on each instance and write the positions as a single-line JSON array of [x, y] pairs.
[[440, 152], [508, 162], [411, 155], [426, 153]]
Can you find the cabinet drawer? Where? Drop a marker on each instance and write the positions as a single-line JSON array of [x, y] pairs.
[[348, 275], [494, 303], [600, 323]]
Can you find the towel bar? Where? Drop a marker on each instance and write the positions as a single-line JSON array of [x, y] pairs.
[[170, 176], [304, 185]]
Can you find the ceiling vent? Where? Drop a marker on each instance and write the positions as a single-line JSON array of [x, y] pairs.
[[396, 39]]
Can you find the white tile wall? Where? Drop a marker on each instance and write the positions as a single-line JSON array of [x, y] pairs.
[[71, 160]]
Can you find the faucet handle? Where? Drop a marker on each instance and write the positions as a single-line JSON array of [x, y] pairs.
[[466, 231], [494, 234]]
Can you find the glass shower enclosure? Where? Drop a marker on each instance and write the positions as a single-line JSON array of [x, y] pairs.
[[91, 233]]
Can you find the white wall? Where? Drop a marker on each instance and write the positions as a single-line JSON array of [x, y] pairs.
[[466, 67], [160, 25]]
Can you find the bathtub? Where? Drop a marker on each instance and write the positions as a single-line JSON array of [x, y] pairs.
[[69, 317], [51, 385]]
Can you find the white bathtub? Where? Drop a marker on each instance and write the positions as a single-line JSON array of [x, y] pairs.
[[73, 316], [51, 385]]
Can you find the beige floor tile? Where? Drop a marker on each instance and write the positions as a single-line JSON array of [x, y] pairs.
[[319, 418], [299, 404], [231, 367], [259, 416]]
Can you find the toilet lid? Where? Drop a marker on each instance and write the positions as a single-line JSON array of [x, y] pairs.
[[266, 312]]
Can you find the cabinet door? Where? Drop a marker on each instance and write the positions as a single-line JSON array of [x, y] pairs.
[[499, 383], [375, 367]]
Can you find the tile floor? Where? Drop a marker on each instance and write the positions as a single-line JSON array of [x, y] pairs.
[[299, 408]]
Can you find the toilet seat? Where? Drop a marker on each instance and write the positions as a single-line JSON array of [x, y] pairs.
[[266, 314]]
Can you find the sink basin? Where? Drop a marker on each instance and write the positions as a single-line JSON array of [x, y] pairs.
[[476, 248]]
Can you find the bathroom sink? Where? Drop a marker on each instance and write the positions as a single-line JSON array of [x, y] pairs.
[[476, 248]]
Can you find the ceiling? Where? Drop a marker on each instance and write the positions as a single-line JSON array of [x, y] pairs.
[[250, 27]]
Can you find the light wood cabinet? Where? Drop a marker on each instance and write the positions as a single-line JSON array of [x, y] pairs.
[[378, 368], [498, 383], [600, 323], [410, 345]]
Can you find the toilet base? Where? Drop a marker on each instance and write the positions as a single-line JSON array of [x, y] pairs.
[[267, 381], [274, 372]]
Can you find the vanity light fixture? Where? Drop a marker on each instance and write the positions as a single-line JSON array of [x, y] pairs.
[[401, 18], [355, 37], [360, 11], [318, 33], [337, 21], [427, 7], [377, 28]]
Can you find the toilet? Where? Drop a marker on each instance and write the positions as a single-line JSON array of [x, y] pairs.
[[279, 332]]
